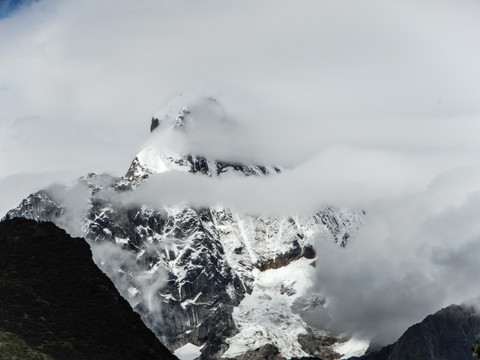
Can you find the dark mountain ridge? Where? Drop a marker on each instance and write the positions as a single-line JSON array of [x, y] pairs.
[[56, 304], [449, 334]]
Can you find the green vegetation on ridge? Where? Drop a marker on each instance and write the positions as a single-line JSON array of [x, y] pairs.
[[14, 348]]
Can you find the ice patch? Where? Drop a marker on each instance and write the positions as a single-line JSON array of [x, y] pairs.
[[352, 347], [265, 316], [132, 291], [188, 352]]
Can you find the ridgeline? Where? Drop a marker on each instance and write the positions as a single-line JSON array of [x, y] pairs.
[[56, 304]]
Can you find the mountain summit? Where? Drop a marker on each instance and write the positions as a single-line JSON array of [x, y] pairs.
[[206, 279], [192, 137]]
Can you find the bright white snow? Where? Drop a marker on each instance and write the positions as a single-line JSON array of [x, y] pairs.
[[188, 352], [265, 316], [352, 347], [152, 160]]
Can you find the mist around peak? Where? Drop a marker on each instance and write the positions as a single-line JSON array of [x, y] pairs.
[[200, 125]]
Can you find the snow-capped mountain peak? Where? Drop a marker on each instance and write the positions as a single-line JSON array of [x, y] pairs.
[[183, 113], [206, 277], [182, 134]]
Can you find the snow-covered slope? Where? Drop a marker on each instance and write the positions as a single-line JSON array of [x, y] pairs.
[[224, 281]]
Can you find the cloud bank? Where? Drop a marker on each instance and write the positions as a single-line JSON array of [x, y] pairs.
[[416, 254], [85, 76]]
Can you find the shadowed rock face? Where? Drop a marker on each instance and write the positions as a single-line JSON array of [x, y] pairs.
[[57, 304], [446, 335]]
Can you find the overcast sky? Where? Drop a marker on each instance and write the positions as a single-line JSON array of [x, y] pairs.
[[370, 103]]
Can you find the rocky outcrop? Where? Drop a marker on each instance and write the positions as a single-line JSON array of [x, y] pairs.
[[154, 124], [319, 346], [448, 334], [39, 206], [266, 352]]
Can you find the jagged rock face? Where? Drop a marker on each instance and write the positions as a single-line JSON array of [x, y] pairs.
[[210, 255], [141, 166], [201, 287], [448, 334], [38, 206], [188, 271]]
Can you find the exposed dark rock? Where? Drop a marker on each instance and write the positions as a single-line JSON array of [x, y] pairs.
[[309, 252], [266, 352], [207, 318], [448, 334], [54, 301], [294, 253], [136, 166], [154, 125], [247, 170], [319, 346]]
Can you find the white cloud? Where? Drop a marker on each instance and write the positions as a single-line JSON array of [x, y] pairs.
[[15, 188], [369, 102], [416, 254], [91, 74]]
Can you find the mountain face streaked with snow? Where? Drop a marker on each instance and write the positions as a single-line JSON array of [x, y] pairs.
[[209, 281]]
